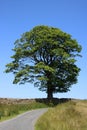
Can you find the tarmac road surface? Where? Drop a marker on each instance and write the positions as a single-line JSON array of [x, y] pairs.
[[25, 121]]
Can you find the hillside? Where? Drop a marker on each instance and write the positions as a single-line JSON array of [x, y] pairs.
[[64, 114], [71, 115]]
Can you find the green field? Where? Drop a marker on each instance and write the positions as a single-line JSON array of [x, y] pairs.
[[71, 115]]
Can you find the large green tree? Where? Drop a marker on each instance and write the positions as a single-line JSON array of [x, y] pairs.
[[45, 56]]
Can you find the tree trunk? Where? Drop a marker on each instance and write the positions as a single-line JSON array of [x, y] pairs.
[[49, 93], [49, 86]]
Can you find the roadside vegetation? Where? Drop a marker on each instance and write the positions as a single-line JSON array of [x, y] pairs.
[[10, 108], [8, 111], [71, 115]]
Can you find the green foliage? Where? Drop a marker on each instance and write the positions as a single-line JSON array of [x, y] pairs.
[[45, 56]]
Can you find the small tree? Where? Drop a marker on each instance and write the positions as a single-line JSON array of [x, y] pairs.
[[45, 56]]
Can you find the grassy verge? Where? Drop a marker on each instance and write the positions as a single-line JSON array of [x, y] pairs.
[[8, 111], [71, 115]]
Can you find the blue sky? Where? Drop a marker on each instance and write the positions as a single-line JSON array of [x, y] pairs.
[[19, 16]]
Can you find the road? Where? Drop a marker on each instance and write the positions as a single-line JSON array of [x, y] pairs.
[[25, 121]]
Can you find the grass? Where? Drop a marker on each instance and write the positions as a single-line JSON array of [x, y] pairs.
[[8, 111], [71, 115]]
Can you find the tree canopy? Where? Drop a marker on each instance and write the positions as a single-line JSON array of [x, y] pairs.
[[45, 56]]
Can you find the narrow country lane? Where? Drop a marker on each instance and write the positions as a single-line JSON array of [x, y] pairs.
[[25, 121]]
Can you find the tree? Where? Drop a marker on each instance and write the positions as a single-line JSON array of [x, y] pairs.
[[45, 56]]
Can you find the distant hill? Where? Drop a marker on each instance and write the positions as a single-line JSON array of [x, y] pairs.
[[15, 101], [54, 101]]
